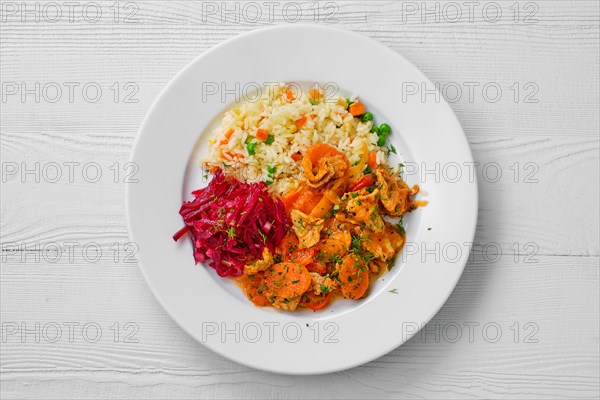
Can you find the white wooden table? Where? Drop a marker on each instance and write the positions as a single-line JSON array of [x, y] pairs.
[[77, 317]]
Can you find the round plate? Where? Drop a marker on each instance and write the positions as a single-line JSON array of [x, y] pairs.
[[348, 333]]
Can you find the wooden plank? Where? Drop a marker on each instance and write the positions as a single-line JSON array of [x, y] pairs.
[[555, 355], [556, 57], [551, 122]]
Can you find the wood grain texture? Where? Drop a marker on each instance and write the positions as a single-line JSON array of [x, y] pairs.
[[556, 298]]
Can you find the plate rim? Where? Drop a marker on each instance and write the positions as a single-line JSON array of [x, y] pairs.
[[152, 109]]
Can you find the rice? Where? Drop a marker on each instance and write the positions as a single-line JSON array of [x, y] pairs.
[[327, 121]]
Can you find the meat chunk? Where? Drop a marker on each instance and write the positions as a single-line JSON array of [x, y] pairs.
[[394, 193], [383, 244], [317, 176], [307, 228], [327, 169], [388, 187], [334, 226], [361, 208], [378, 266], [322, 284], [287, 304], [261, 264], [335, 246]]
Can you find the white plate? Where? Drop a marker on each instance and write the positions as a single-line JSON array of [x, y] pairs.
[[213, 310]]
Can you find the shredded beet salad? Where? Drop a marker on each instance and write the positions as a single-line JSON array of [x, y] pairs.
[[231, 222]]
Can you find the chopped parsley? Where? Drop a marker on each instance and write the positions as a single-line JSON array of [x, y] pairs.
[[356, 249], [270, 175], [325, 289], [320, 256], [334, 258], [391, 263], [400, 226], [263, 236], [231, 232]]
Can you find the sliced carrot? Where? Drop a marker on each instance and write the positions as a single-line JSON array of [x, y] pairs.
[[354, 278], [289, 95], [290, 199], [288, 244], [321, 150], [253, 287], [303, 199], [290, 251], [372, 160], [322, 208], [262, 134], [300, 122], [308, 201], [302, 256], [314, 301], [297, 156], [330, 248], [287, 280], [357, 108]]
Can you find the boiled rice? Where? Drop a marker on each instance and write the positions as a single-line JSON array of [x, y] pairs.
[[328, 121]]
